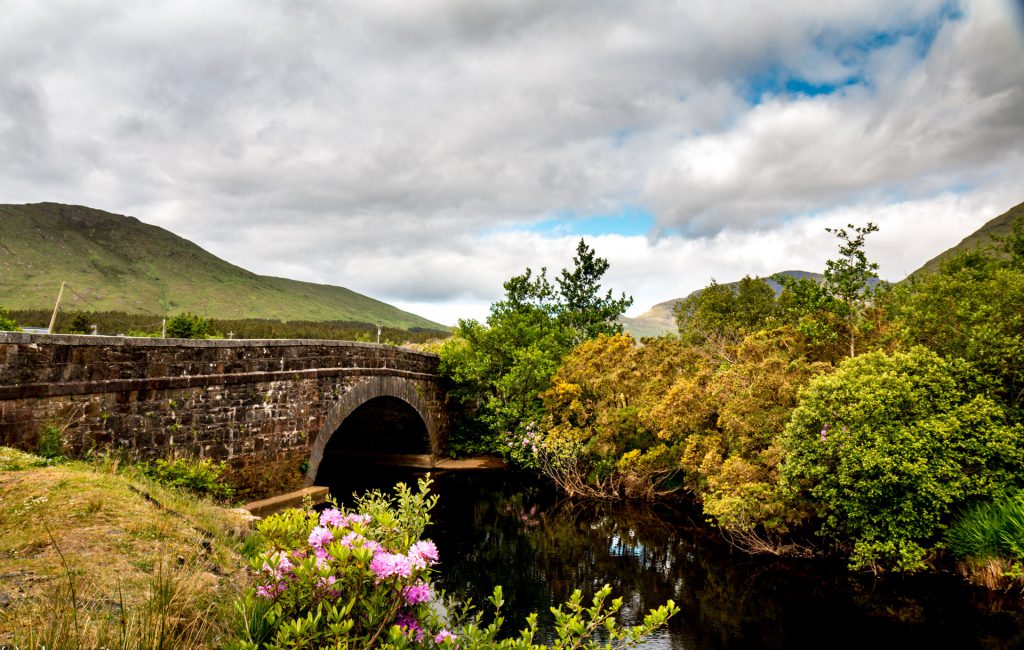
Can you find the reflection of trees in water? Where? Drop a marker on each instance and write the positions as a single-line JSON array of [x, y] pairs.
[[495, 530]]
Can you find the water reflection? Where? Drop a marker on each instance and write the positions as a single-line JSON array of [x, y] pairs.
[[500, 529]]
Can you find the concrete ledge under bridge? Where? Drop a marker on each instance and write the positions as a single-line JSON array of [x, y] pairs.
[[259, 405], [426, 461]]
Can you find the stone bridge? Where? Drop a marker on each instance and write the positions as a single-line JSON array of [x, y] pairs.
[[278, 411]]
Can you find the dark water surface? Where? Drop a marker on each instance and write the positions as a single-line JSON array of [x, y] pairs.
[[498, 528]]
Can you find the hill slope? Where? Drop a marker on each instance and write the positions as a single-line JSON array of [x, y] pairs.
[[1001, 226], [661, 318], [114, 262]]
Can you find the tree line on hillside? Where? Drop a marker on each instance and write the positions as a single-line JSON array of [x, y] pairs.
[[193, 326], [884, 423]]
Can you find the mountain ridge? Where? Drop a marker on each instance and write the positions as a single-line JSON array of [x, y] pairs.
[[119, 263]]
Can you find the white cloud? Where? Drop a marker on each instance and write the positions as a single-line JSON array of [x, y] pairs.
[[376, 144]]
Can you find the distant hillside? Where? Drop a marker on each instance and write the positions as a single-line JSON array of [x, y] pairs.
[[661, 319], [1001, 226], [118, 263]]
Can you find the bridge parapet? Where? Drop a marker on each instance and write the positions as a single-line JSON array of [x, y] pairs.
[[259, 404], [53, 358]]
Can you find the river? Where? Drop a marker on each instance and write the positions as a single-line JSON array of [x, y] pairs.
[[499, 528]]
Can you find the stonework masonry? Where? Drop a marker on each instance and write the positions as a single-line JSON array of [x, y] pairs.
[[267, 407]]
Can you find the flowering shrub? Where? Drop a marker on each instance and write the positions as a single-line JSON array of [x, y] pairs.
[[362, 580], [521, 446]]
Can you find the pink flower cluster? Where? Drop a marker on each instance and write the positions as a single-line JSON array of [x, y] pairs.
[[280, 570], [349, 530], [334, 517], [416, 593], [389, 565], [444, 635]]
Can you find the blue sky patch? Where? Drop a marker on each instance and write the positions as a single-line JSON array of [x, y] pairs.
[[629, 221], [852, 53]]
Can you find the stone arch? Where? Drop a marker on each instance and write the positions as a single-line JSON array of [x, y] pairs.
[[364, 391]]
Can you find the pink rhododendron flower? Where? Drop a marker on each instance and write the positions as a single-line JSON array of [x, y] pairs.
[[388, 565], [320, 537], [417, 593], [442, 635], [356, 519], [272, 590], [284, 565], [351, 539], [332, 517], [423, 553], [355, 540], [337, 519], [324, 583]]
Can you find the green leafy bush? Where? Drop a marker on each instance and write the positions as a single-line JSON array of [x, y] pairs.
[[362, 579], [187, 326], [7, 324], [50, 443], [200, 476], [888, 447]]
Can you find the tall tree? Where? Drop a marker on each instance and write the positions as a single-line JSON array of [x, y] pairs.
[[834, 310], [848, 278], [582, 308], [500, 367]]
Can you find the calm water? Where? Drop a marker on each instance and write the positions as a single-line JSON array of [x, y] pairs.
[[498, 528]]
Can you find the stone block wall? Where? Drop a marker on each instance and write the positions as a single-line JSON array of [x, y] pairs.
[[257, 404]]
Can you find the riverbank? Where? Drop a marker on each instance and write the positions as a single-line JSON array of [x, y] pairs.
[[92, 554], [93, 551]]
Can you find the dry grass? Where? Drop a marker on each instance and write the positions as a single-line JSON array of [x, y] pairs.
[[995, 574], [94, 557]]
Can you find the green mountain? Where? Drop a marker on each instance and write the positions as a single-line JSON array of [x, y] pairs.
[[112, 262], [661, 318], [1001, 226]]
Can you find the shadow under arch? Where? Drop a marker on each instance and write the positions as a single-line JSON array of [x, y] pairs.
[[382, 393]]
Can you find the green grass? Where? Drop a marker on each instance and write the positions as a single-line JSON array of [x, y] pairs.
[[95, 554], [989, 542], [990, 530], [118, 263]]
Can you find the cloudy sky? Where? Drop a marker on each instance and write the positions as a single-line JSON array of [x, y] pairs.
[[424, 151]]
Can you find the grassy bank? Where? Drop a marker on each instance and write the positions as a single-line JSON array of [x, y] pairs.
[[96, 555]]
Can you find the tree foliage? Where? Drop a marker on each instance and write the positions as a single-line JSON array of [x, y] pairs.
[[580, 307], [871, 415], [500, 367], [187, 326], [598, 416], [839, 309], [889, 446], [721, 315], [972, 309], [7, 324]]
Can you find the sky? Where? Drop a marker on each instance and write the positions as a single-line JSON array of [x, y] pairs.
[[424, 152]]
